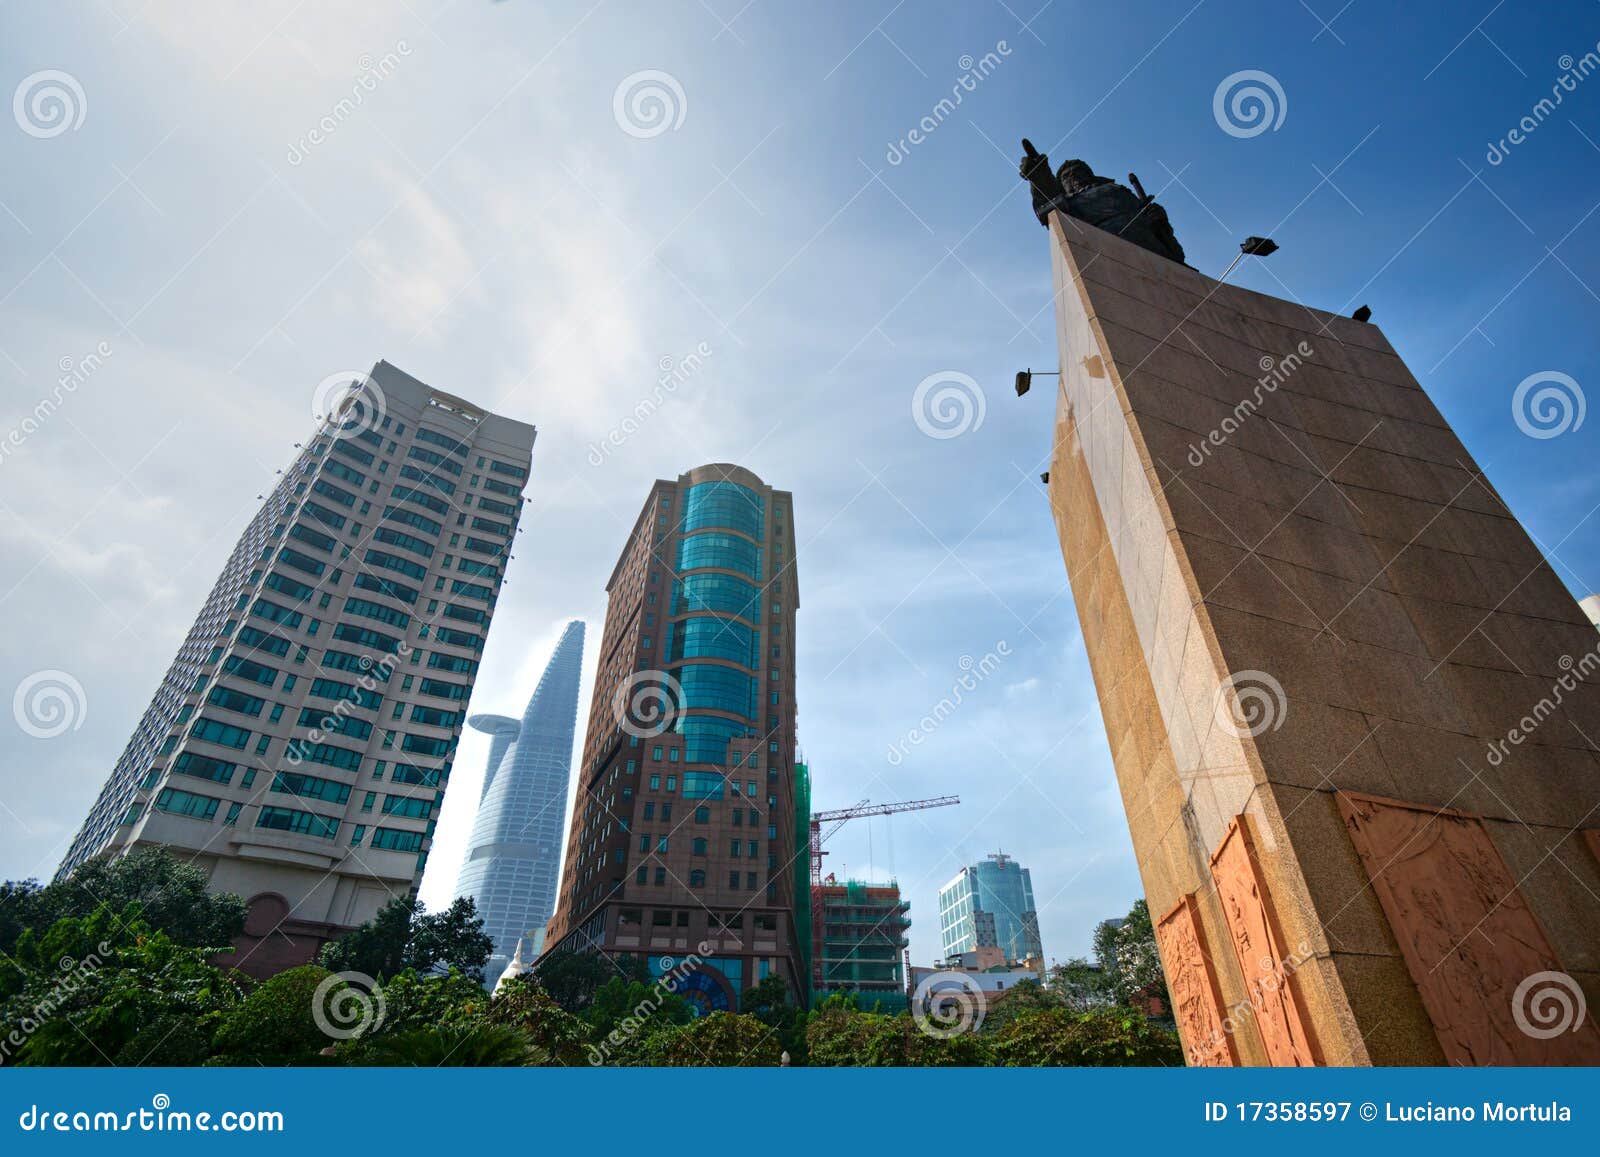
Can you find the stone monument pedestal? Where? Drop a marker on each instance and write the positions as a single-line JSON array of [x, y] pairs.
[[1353, 711]]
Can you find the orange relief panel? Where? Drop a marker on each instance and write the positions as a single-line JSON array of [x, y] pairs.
[[1258, 942], [1196, 1001], [1483, 966]]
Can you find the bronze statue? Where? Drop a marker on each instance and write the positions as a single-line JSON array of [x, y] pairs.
[[1077, 191]]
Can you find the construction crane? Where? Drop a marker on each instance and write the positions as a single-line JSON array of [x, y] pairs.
[[837, 819]]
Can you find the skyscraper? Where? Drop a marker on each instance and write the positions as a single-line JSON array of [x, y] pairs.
[[683, 835], [990, 905], [513, 860], [299, 745]]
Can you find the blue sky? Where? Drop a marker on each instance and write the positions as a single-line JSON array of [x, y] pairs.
[[483, 220]]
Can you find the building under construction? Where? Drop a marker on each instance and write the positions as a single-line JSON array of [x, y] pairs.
[[858, 937]]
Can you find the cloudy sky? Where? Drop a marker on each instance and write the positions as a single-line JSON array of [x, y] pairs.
[[237, 200]]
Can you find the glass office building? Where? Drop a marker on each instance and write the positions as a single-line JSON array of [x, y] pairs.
[[299, 745], [990, 905], [683, 834], [513, 860]]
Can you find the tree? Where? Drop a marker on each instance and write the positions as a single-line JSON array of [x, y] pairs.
[[768, 1001], [1119, 1037], [1139, 976], [402, 936], [1082, 986], [149, 886], [521, 1003], [720, 1040], [477, 1044], [282, 1022], [572, 978]]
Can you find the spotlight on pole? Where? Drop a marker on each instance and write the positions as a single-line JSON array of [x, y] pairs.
[[1251, 247], [1045, 478], [1025, 379]]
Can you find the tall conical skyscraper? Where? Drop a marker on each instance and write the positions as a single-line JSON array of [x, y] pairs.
[[513, 861]]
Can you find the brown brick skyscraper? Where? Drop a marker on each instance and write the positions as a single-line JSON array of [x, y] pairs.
[[683, 830]]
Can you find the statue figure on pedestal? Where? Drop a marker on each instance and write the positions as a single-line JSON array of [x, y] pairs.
[[1077, 191]]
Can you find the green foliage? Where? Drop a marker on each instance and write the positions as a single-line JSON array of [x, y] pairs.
[[768, 1001], [174, 1040], [1081, 986], [276, 1024], [402, 936], [476, 1044], [628, 1007], [1139, 975], [88, 987], [1121, 1037], [148, 886], [1025, 997], [573, 978], [522, 1004], [721, 1040], [411, 1002]]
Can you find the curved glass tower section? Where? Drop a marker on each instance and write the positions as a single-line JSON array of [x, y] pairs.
[[513, 860]]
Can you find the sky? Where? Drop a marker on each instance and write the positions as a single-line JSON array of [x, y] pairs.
[[210, 210]]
